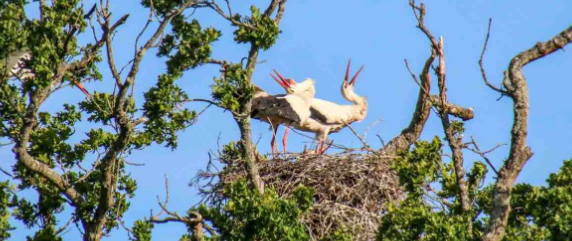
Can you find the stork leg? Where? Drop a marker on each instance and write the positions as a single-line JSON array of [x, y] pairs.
[[319, 150], [273, 141], [285, 138], [321, 136]]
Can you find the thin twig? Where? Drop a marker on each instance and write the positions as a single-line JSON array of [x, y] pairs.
[[361, 139], [483, 72], [6, 172], [482, 154]]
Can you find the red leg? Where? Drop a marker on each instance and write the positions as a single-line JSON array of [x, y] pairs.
[[320, 146], [285, 139], [273, 141]]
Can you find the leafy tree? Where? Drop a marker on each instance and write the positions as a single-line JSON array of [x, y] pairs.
[[47, 161], [444, 202], [88, 177]]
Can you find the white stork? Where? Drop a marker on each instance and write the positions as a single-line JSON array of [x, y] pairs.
[[328, 117], [17, 61], [289, 109]]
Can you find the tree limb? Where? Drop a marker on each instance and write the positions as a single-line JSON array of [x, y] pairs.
[[452, 109], [409, 135], [483, 72], [126, 127], [519, 152]]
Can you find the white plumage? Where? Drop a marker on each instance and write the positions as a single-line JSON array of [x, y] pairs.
[[328, 117]]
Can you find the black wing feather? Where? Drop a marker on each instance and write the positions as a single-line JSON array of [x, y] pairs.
[[273, 106]]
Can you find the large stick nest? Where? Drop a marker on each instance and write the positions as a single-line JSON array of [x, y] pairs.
[[350, 190]]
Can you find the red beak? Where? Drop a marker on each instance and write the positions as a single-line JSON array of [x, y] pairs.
[[279, 81], [285, 83], [352, 82]]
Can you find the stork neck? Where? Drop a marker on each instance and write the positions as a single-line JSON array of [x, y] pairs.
[[351, 96]]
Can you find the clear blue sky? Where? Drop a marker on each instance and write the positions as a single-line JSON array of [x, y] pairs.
[[317, 40]]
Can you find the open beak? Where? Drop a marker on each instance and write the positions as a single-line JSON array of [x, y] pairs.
[[352, 82], [285, 83]]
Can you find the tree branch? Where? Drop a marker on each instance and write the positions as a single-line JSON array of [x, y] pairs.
[[22, 155], [126, 127], [478, 151], [195, 222], [455, 143], [409, 135], [444, 108], [519, 152], [483, 72]]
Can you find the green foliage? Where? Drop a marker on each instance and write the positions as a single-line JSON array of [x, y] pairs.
[[49, 140], [46, 234], [5, 203], [339, 235], [163, 7], [163, 109], [248, 215], [418, 218], [50, 43], [458, 127], [420, 166], [538, 213], [233, 90], [543, 213], [192, 45], [12, 105], [12, 30], [231, 151], [100, 107], [257, 29], [142, 230]]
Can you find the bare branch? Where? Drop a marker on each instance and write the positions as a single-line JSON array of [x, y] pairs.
[[195, 222], [452, 109], [6, 172], [421, 113], [361, 139], [444, 108], [281, 8], [483, 153], [519, 152], [483, 72], [63, 228], [272, 7]]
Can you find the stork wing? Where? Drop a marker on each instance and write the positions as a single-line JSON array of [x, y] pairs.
[[274, 107], [329, 112]]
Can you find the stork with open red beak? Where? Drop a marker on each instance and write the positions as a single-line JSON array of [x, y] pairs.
[[328, 117], [287, 110], [17, 64]]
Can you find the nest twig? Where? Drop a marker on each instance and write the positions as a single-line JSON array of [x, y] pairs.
[[350, 190]]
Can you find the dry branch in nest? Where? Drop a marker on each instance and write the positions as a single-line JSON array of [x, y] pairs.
[[350, 190]]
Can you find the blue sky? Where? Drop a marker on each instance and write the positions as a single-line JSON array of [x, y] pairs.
[[317, 40]]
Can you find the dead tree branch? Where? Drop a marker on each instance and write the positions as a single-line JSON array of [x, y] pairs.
[[519, 152], [478, 151], [409, 135], [194, 220], [483, 72], [445, 109]]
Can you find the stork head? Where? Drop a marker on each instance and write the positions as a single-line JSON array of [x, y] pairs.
[[305, 88], [348, 85]]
